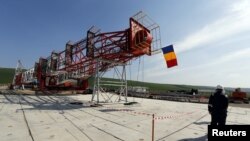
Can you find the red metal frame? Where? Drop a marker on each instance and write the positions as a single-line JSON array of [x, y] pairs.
[[81, 57]]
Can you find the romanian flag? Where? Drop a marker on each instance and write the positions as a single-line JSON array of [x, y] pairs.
[[169, 56]]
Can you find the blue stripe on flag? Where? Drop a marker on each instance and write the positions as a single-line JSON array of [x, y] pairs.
[[168, 49]]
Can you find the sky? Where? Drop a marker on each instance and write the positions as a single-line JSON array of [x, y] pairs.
[[211, 38]]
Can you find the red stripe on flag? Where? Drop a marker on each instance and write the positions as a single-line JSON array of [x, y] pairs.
[[172, 63]]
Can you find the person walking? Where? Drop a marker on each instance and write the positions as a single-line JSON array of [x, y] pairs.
[[217, 106]]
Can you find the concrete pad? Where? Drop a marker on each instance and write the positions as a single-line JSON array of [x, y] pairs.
[[52, 117]]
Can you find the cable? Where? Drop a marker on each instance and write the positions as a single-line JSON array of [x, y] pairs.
[[143, 85], [138, 69], [131, 86], [130, 69], [143, 70]]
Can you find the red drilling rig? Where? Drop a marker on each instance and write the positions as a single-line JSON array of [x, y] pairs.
[[98, 52]]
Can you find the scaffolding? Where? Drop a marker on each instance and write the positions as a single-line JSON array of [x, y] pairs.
[[100, 84]]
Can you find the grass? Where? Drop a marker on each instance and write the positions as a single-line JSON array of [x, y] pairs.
[[156, 87], [6, 75]]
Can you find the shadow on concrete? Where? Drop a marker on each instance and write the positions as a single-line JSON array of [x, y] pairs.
[[53, 103], [56, 106], [202, 138], [115, 110], [202, 122], [9, 99], [36, 102]]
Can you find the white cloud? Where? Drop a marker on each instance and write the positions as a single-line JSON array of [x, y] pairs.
[[224, 69], [241, 6], [240, 54], [234, 75], [237, 21], [235, 55]]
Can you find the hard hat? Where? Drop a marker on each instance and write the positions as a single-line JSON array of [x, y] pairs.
[[219, 87]]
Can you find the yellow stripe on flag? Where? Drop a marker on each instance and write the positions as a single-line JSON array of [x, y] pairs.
[[169, 56]]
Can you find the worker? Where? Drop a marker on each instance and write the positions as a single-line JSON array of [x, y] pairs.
[[217, 106]]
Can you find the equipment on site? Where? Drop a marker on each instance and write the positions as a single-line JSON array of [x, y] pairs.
[[239, 96], [92, 56]]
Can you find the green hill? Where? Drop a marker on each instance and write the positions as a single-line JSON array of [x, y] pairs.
[[6, 75], [153, 86]]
